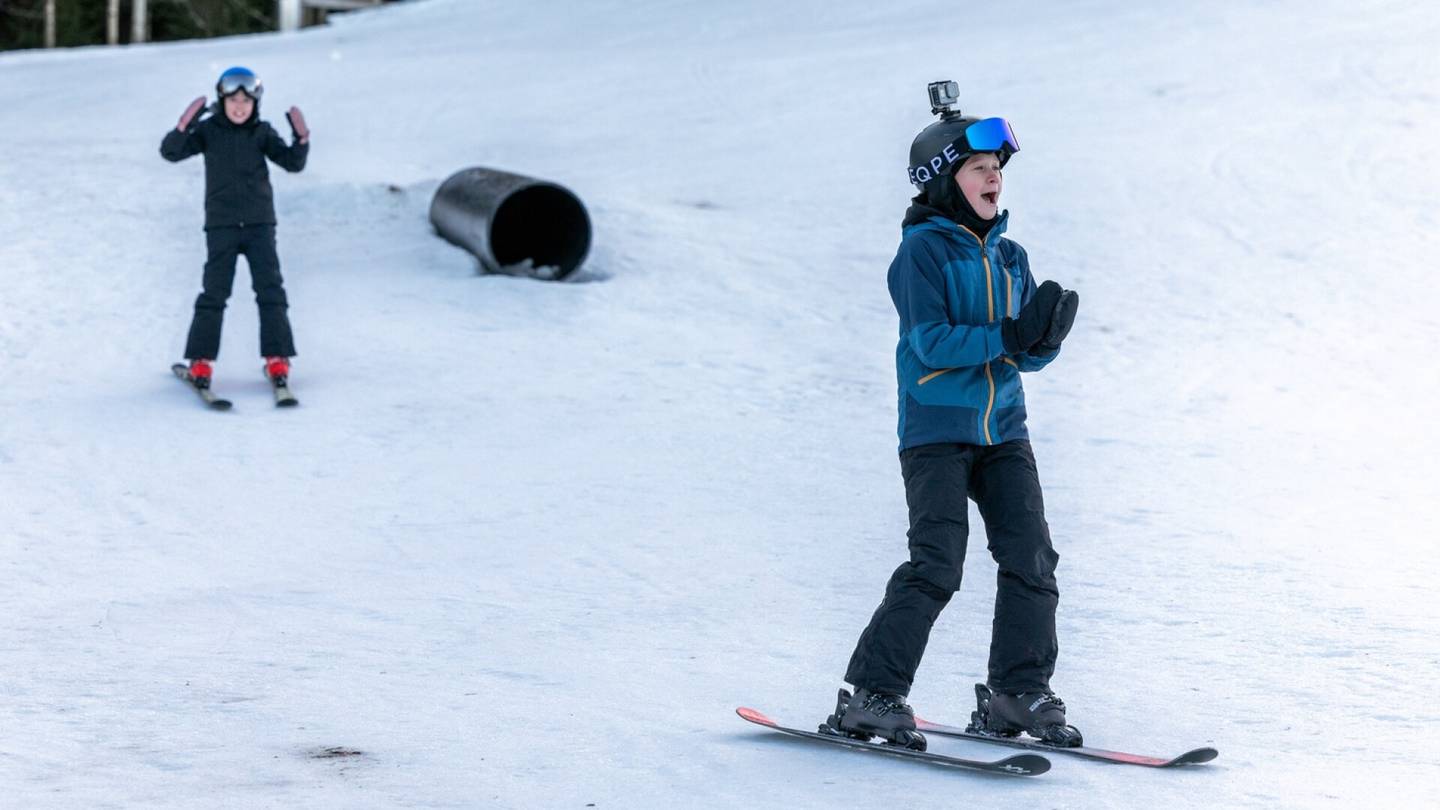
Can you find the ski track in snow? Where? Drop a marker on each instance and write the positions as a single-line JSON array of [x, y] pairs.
[[528, 545]]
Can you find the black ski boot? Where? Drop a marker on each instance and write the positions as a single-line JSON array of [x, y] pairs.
[[1039, 714], [868, 714]]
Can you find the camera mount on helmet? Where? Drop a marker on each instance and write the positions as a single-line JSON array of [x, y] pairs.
[[943, 97]]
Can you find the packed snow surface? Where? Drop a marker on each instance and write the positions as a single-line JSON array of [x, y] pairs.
[[529, 544]]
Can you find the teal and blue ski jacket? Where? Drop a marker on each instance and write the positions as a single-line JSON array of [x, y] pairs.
[[952, 289]]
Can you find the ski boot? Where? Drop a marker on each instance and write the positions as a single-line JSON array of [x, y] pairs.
[[1039, 714], [200, 373], [868, 714], [277, 370]]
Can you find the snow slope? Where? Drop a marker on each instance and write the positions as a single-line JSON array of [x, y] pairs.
[[528, 544]]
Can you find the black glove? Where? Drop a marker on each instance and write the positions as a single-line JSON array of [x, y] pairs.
[[1027, 328], [1061, 319]]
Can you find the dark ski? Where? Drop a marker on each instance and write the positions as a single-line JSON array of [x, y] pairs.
[[1194, 757], [1018, 765], [281, 387], [206, 395]]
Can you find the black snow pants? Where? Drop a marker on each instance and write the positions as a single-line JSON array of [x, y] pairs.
[[226, 244], [1003, 481]]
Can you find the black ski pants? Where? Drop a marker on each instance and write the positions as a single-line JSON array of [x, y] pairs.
[[257, 244], [938, 479]]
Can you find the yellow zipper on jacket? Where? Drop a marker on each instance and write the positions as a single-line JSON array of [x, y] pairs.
[[990, 318], [990, 312]]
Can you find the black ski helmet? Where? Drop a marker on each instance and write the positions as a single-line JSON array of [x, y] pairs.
[[939, 149]]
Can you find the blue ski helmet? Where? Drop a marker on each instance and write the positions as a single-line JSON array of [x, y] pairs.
[[239, 80]]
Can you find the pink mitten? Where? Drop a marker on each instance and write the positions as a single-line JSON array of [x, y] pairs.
[[190, 113], [297, 124]]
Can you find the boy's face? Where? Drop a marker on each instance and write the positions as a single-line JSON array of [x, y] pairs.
[[980, 181], [238, 107]]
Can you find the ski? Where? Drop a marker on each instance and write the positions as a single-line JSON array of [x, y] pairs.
[[1018, 765], [206, 395], [281, 387], [1194, 757]]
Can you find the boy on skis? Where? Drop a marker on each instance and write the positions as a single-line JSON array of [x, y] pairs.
[[239, 215], [971, 320]]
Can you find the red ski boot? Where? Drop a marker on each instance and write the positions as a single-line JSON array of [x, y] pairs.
[[277, 370], [201, 372]]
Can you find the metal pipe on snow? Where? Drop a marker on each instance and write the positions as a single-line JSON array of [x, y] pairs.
[[513, 224]]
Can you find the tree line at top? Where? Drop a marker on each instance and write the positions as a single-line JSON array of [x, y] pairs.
[[71, 23]]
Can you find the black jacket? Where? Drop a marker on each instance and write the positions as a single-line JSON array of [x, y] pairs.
[[237, 181]]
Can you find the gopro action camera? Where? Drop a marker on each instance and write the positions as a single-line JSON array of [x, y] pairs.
[[943, 96]]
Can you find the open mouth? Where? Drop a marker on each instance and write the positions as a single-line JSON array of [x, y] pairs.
[[991, 197]]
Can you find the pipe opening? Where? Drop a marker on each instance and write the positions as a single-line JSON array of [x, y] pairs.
[[544, 224]]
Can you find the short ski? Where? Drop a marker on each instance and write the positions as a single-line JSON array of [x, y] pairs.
[[1194, 757], [283, 397], [1018, 765], [206, 395]]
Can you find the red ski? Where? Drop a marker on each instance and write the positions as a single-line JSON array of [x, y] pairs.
[[1194, 757]]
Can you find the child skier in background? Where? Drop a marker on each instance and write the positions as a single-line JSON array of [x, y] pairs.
[[971, 319], [239, 215]]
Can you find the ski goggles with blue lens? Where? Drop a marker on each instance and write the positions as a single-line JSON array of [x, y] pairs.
[[237, 81], [985, 135], [991, 135]]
